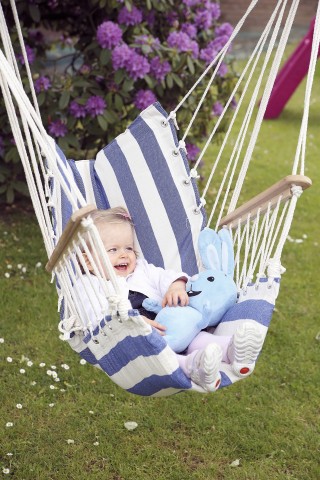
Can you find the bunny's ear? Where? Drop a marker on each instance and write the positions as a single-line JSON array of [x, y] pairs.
[[210, 249], [227, 254]]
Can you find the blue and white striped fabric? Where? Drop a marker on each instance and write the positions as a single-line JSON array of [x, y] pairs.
[[142, 171]]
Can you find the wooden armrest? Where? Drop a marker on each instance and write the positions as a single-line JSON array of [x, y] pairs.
[[68, 234], [261, 202]]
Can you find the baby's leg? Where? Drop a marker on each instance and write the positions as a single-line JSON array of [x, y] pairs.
[[203, 339]]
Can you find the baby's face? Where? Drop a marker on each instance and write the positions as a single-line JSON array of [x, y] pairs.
[[118, 241]]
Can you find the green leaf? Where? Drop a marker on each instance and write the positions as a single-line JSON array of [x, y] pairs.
[[103, 123], [64, 100], [127, 85], [10, 194], [21, 187], [34, 12], [105, 56], [118, 102], [190, 65], [177, 80], [119, 76], [41, 98], [169, 80]]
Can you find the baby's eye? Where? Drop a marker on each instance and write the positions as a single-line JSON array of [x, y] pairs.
[[112, 250], [129, 249]]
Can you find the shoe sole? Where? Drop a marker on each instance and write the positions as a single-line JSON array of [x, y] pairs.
[[211, 363], [247, 342]]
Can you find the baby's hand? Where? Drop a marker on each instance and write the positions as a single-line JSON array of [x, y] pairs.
[[160, 328], [176, 295]]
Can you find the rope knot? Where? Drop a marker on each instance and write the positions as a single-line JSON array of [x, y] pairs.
[[274, 268], [173, 116], [296, 190]]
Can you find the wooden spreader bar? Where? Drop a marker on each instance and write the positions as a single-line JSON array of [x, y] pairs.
[[72, 228], [282, 189]]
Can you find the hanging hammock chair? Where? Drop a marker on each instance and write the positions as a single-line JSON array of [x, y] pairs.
[[146, 170]]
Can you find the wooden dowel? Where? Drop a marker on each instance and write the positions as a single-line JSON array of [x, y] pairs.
[[68, 234], [282, 189]]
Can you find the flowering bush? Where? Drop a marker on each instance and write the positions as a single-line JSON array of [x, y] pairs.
[[96, 64]]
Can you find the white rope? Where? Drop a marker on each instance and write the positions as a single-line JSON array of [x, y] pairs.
[[267, 91], [301, 147], [242, 136], [220, 55]]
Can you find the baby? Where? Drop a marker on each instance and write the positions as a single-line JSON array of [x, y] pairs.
[[143, 280]]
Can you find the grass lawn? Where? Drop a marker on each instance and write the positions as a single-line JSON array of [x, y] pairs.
[[70, 424]]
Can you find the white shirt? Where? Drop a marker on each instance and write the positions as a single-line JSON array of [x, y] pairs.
[[147, 279]]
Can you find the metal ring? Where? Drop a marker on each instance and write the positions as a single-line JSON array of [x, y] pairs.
[[164, 123], [175, 153]]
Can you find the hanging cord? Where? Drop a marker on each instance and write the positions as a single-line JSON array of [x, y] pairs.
[[234, 158], [266, 94], [245, 124], [301, 147], [220, 56], [25, 56]]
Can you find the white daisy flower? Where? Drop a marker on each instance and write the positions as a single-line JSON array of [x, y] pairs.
[[29, 363], [7, 275], [83, 361], [1, 340], [19, 406], [9, 359], [9, 424], [38, 265], [41, 365], [22, 370], [5, 471], [70, 441]]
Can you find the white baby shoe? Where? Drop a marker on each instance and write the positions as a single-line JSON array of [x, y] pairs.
[[245, 347], [203, 367]]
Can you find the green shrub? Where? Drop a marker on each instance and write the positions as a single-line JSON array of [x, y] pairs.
[[97, 63]]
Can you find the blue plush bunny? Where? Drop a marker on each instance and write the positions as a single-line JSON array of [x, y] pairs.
[[211, 292]]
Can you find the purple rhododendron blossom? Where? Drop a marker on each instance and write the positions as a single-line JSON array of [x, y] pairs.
[[57, 128], [150, 18], [159, 68], [214, 9], [95, 105], [85, 69], [120, 56], [152, 42], [143, 99], [173, 19], [203, 19], [192, 151], [217, 109], [30, 55], [42, 84], [183, 43], [208, 54], [77, 110], [223, 70], [137, 66], [224, 29], [189, 29], [132, 17], [191, 3], [109, 34]]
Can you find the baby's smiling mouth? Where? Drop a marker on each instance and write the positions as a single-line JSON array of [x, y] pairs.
[[121, 266]]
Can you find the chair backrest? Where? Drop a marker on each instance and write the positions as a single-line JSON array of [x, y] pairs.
[[144, 170]]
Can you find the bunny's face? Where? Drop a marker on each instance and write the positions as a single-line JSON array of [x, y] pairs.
[[212, 293]]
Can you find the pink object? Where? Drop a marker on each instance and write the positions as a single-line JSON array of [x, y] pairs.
[[290, 76]]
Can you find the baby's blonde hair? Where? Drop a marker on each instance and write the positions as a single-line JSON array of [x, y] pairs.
[[111, 215]]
